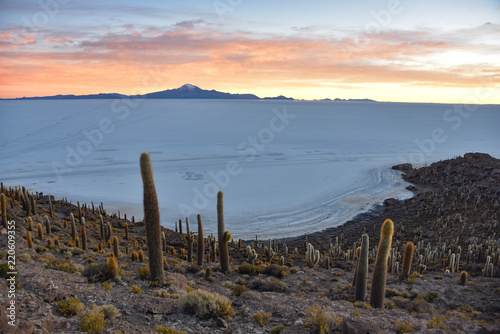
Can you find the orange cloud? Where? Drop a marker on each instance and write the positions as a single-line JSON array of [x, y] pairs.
[[79, 64]]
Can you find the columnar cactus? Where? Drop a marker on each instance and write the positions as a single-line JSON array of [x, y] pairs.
[[463, 278], [48, 228], [28, 238], [224, 236], [40, 231], [407, 259], [312, 256], [362, 272], [252, 255], [73, 226], [201, 241], [116, 249], [379, 278], [33, 206], [30, 224], [152, 220], [50, 206], [3, 203], [189, 238], [269, 252], [101, 225], [180, 226], [212, 247], [79, 210], [107, 232], [83, 232]]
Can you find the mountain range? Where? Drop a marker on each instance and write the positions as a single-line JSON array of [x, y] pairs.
[[186, 91]]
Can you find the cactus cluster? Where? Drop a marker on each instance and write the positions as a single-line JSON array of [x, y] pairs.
[[312, 256]]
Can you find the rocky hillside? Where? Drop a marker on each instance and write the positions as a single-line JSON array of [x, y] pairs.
[[68, 281]]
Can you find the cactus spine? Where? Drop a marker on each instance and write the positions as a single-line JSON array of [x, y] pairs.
[[3, 203], [407, 259], [201, 241], [224, 236], [312, 256], [362, 272], [189, 238], [379, 278], [152, 220], [83, 232]]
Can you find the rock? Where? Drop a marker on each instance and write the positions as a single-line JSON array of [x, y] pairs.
[[361, 326], [221, 323]]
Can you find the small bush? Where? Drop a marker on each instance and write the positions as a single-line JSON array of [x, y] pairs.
[[403, 327], [438, 323], [168, 330], [144, 272], [419, 305], [360, 304], [277, 329], [321, 319], [109, 311], [65, 265], [135, 289], [70, 307], [268, 285], [276, 270], [262, 318], [205, 304], [165, 294], [248, 269], [24, 257], [92, 321]]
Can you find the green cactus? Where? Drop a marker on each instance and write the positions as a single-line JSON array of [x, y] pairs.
[[201, 242], [407, 259], [107, 231], [312, 256], [180, 226], [224, 236], [3, 203], [83, 232], [48, 228], [152, 220], [379, 278], [80, 215], [189, 238], [362, 271], [116, 249]]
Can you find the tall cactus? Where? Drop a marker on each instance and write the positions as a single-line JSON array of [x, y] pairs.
[[407, 259], [101, 225], [212, 247], [180, 226], [362, 272], [379, 278], [28, 238], [3, 203], [33, 206], [48, 228], [83, 232], [312, 256], [116, 249], [223, 235], [73, 226], [189, 238], [152, 220], [50, 206], [201, 241]]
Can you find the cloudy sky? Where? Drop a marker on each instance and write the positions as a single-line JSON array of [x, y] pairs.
[[390, 50]]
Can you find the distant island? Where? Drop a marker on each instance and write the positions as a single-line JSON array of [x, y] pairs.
[[186, 91]]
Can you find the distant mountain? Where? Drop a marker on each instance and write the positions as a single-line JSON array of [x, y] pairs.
[[192, 92], [187, 91]]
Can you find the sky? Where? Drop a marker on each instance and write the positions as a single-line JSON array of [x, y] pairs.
[[443, 51]]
